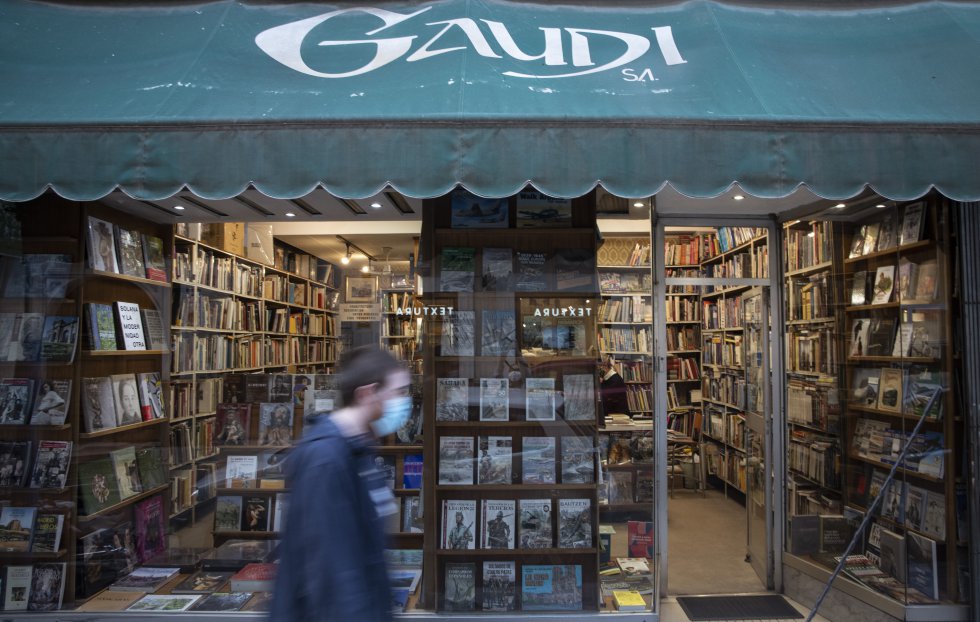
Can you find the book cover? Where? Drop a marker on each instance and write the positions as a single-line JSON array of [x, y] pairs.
[[857, 243], [923, 570], [470, 211], [228, 513], [535, 209], [458, 524], [457, 269], [575, 523], [539, 394], [931, 454], [871, 231], [915, 499], [276, 424], [15, 459], [240, 471], [902, 345], [804, 534], [98, 404], [153, 329], [47, 533], [51, 402], [151, 532], [232, 424], [633, 566], [386, 467], [51, 464], [236, 554], [888, 234], [579, 397], [256, 512], [129, 246], [912, 220], [459, 589], [497, 524], [15, 400], [494, 399], [411, 432], [164, 602], [154, 259], [301, 384], [639, 539], [16, 528], [859, 288], [835, 533], [498, 270], [883, 285], [146, 580], [458, 337], [496, 460], [260, 601], [577, 460], [452, 399], [22, 336], [532, 272], [551, 587], [47, 587], [280, 388], [934, 516], [233, 389], [864, 386], [499, 335], [150, 395], [908, 274], [456, 460], [575, 270], [99, 488], [101, 326], [127, 472], [152, 470], [41, 275], [619, 487], [412, 518], [629, 600], [125, 393], [881, 336], [892, 561], [279, 511], [129, 326], [534, 528], [107, 600], [101, 246], [890, 389], [538, 460], [59, 338], [412, 471], [499, 586], [927, 282], [223, 601], [17, 588]]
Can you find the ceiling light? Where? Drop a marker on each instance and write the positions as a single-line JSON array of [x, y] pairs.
[[179, 208], [881, 206], [638, 204], [290, 215], [376, 205], [346, 258], [738, 197], [840, 206], [365, 268]]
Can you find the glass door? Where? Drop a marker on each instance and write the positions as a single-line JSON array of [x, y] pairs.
[[758, 431]]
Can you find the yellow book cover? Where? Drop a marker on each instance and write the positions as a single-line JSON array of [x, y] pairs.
[[629, 600]]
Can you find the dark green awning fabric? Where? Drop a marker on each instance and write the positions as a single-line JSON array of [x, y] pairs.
[[218, 96]]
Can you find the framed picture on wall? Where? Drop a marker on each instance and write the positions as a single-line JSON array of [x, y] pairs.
[[362, 289]]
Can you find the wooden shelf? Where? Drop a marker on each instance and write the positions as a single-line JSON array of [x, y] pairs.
[[809, 269], [33, 555], [733, 250], [89, 354], [514, 487], [129, 501], [514, 552], [557, 422], [124, 277], [729, 290], [627, 507], [892, 359], [887, 467], [122, 428], [906, 248], [889, 413]]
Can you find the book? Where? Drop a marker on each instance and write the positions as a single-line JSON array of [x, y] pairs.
[[459, 589], [908, 274], [499, 335], [915, 499], [51, 401], [412, 471], [577, 460], [456, 460], [534, 528], [835, 533], [260, 601], [458, 337], [20, 336], [575, 523], [15, 400], [146, 580], [923, 570], [860, 333], [256, 512], [150, 395], [912, 220], [536, 209], [107, 600], [926, 282], [280, 388], [633, 566], [101, 245], [619, 486], [578, 392], [17, 588], [538, 460], [127, 471], [129, 248], [47, 586], [223, 601], [890, 390], [101, 326], [888, 234], [233, 389], [470, 211], [154, 259], [236, 554], [38, 275], [412, 520], [902, 346], [892, 560], [228, 513], [51, 464], [934, 515], [551, 587], [97, 480], [575, 270], [539, 394], [59, 338], [256, 388], [170, 603], [457, 269], [16, 528], [629, 600], [864, 386], [152, 470], [240, 471], [881, 336], [859, 288], [497, 528], [494, 399], [883, 285], [871, 231], [458, 524], [639, 538], [153, 329], [279, 511], [276, 424], [496, 459], [532, 272], [804, 534], [47, 533], [498, 270], [98, 405], [151, 531], [452, 399], [231, 424], [857, 243], [126, 401], [924, 394], [129, 326], [499, 586]]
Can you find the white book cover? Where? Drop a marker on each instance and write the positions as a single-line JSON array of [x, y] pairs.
[[126, 400], [279, 511], [452, 399], [903, 340], [101, 246], [912, 223], [534, 529], [538, 453], [240, 471], [456, 460], [458, 524], [539, 394], [97, 404], [494, 399], [498, 524], [17, 588], [496, 460], [130, 325], [127, 472], [575, 523], [579, 394], [884, 284]]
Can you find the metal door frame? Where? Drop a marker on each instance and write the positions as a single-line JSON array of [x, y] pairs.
[[775, 441]]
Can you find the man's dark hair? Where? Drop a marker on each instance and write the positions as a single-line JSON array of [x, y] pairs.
[[363, 366]]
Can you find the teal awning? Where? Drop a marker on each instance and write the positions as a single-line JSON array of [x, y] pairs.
[[219, 96]]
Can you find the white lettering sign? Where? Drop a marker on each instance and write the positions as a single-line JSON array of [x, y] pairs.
[[570, 311], [130, 325]]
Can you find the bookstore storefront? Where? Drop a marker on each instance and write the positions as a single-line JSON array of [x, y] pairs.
[[809, 359]]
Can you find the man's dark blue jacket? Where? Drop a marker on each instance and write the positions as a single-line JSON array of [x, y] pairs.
[[332, 550]]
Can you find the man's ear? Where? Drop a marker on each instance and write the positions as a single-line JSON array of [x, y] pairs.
[[364, 393]]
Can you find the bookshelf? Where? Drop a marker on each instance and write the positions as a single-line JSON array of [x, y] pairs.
[[682, 256], [899, 361], [401, 327], [509, 394]]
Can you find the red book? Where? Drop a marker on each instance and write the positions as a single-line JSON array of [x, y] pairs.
[[254, 577], [640, 538]]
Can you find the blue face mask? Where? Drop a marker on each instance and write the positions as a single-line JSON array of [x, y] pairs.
[[394, 416]]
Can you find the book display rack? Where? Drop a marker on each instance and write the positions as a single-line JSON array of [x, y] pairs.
[[511, 510]]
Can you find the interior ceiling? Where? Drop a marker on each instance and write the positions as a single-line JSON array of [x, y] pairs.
[[389, 219]]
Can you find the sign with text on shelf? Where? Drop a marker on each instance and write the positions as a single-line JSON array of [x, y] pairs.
[[360, 312]]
